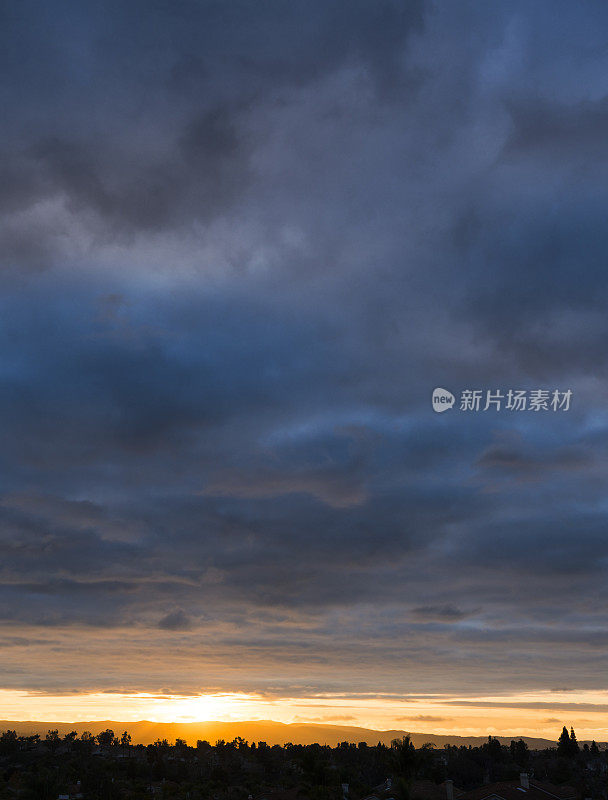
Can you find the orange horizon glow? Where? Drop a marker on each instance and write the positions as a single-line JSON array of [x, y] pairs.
[[539, 714]]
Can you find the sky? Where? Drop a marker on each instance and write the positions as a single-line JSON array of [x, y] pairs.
[[240, 245]]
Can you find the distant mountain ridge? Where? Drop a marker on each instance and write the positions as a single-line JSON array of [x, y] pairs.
[[145, 732]]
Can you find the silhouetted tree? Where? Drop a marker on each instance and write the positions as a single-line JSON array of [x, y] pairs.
[[105, 738], [563, 744], [520, 753], [403, 760], [574, 748], [493, 749], [125, 741], [52, 740], [8, 742]]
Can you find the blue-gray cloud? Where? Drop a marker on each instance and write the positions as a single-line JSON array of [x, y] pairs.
[[241, 244]]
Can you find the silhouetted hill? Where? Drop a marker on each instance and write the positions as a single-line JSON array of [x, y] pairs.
[[144, 732]]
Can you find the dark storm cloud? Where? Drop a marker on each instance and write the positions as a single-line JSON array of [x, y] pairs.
[[530, 462], [175, 621], [241, 243], [184, 42], [207, 69], [445, 613], [552, 129]]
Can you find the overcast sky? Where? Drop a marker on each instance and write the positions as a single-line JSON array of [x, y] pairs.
[[241, 243]]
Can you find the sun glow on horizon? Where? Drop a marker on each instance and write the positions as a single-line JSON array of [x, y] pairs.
[[538, 714]]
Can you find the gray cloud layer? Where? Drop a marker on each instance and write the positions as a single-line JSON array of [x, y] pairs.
[[241, 243]]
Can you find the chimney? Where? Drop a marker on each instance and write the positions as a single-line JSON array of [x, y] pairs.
[[523, 780], [449, 790]]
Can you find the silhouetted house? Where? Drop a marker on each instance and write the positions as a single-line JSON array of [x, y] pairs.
[[597, 765], [73, 793], [281, 794], [524, 789], [427, 790]]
